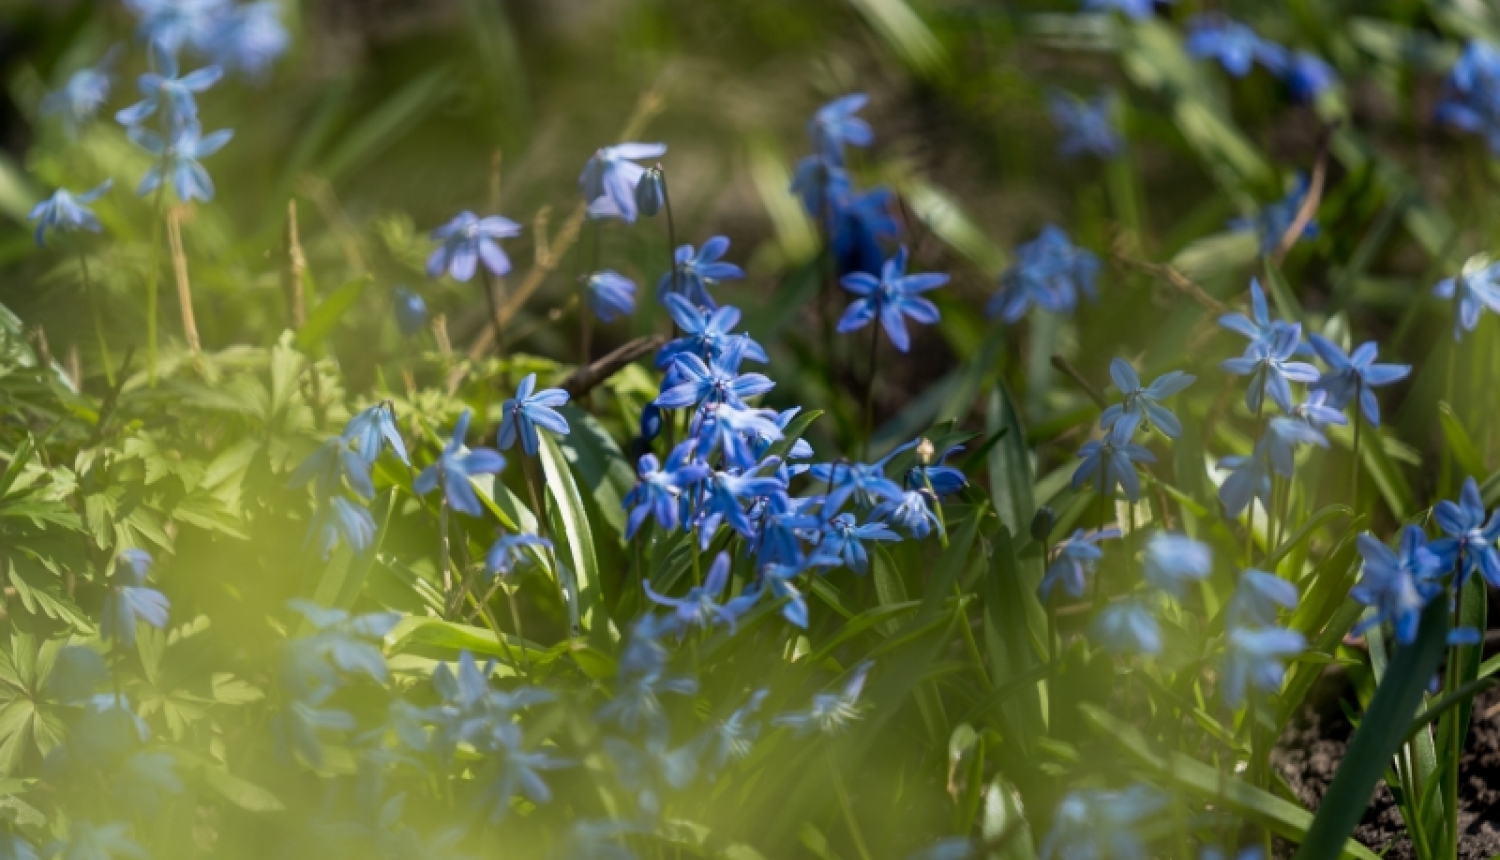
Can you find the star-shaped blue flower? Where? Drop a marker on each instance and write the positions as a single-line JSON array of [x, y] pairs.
[[1049, 272], [1471, 97], [1087, 127], [843, 543], [373, 429], [1253, 657], [697, 271], [469, 240], [700, 607], [1474, 288], [455, 466], [1397, 583], [891, 298], [1355, 373], [528, 410], [1470, 537], [1121, 419], [659, 489], [1270, 369], [1108, 464], [166, 90], [611, 295], [705, 333], [835, 125], [512, 552], [692, 382], [1075, 559], [1235, 46], [178, 159]]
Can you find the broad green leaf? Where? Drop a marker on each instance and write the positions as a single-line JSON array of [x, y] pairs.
[[600, 465], [1008, 635], [1010, 463], [581, 578]]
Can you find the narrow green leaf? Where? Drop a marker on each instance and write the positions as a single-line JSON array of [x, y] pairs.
[[1201, 780], [581, 579], [329, 312], [1379, 735], [1459, 443], [1307, 530]]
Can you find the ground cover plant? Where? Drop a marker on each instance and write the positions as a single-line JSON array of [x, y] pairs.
[[988, 439]]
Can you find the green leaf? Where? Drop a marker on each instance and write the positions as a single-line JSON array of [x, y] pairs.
[[906, 32], [1380, 734], [1201, 780], [581, 579], [1459, 443], [1313, 523], [343, 577], [1007, 635], [412, 632], [1281, 292], [382, 127], [1010, 463], [326, 316], [600, 465]]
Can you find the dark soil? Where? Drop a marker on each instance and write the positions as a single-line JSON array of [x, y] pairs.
[[1313, 746]]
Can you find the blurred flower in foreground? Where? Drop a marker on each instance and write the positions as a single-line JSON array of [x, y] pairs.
[[128, 600], [1173, 560], [86, 90], [411, 312], [611, 295], [1274, 219], [454, 468], [1233, 45], [1397, 583], [1093, 824], [1128, 627], [1254, 658], [65, 212], [177, 160], [830, 713], [1471, 98], [1474, 288]]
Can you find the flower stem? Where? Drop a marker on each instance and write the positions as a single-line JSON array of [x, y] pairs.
[[666, 202], [1260, 430], [870, 386], [151, 276], [443, 549], [88, 291], [1355, 413]]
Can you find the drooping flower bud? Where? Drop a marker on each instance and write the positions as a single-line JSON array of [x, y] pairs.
[[411, 312], [650, 191]]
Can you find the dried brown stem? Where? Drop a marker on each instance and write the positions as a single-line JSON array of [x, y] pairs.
[[587, 378], [1310, 202], [180, 272], [1176, 279]]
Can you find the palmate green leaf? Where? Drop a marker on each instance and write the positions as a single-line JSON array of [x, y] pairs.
[[1380, 734], [1191, 776], [580, 580]]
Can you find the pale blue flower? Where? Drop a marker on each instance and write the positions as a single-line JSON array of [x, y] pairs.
[[700, 607], [609, 179], [835, 125], [910, 512], [373, 429], [1087, 127], [891, 298], [830, 713], [1316, 411], [1095, 824], [1249, 479], [1049, 272], [1355, 373], [456, 466], [1398, 584], [511, 552], [177, 160], [1470, 537], [1128, 627], [1253, 657], [1475, 288], [1121, 419], [86, 91], [166, 90], [611, 295], [695, 271], [1173, 560], [843, 543], [66, 213], [128, 600], [1108, 465], [1270, 369], [469, 240], [249, 38], [1076, 558], [1284, 436], [1258, 597]]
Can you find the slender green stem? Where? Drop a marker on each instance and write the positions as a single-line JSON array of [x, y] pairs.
[[88, 291], [1255, 451], [515, 619], [450, 599], [846, 807], [152, 284], [666, 203], [697, 560], [1455, 737], [870, 386], [1355, 417]]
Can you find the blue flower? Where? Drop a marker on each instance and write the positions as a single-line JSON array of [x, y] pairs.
[[892, 297], [1235, 46], [865, 483], [1316, 411], [1253, 657], [332, 464], [528, 410], [1049, 272], [692, 383], [337, 518], [178, 159], [1470, 537], [1398, 584], [651, 422], [128, 600], [1109, 464], [1087, 127], [517, 773], [734, 431], [829, 713], [1474, 288], [705, 333], [1212, 853], [13, 847], [784, 525], [512, 552], [609, 179], [1136, 10], [1270, 371], [936, 478], [642, 680], [1249, 479], [1121, 419], [1128, 627], [469, 240], [696, 272], [411, 312], [1274, 219], [651, 192], [250, 38], [1471, 98], [1258, 597], [860, 225], [67, 213], [730, 738], [1094, 824], [172, 24], [835, 125], [700, 607], [778, 578], [81, 97], [842, 543], [1357, 372], [1174, 560], [1307, 76], [1259, 327], [168, 92], [659, 489], [1075, 559], [373, 429], [1284, 436], [611, 295], [343, 640], [454, 468], [910, 512], [726, 496]]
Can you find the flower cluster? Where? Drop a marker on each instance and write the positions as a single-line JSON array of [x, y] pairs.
[[857, 225], [1238, 49]]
